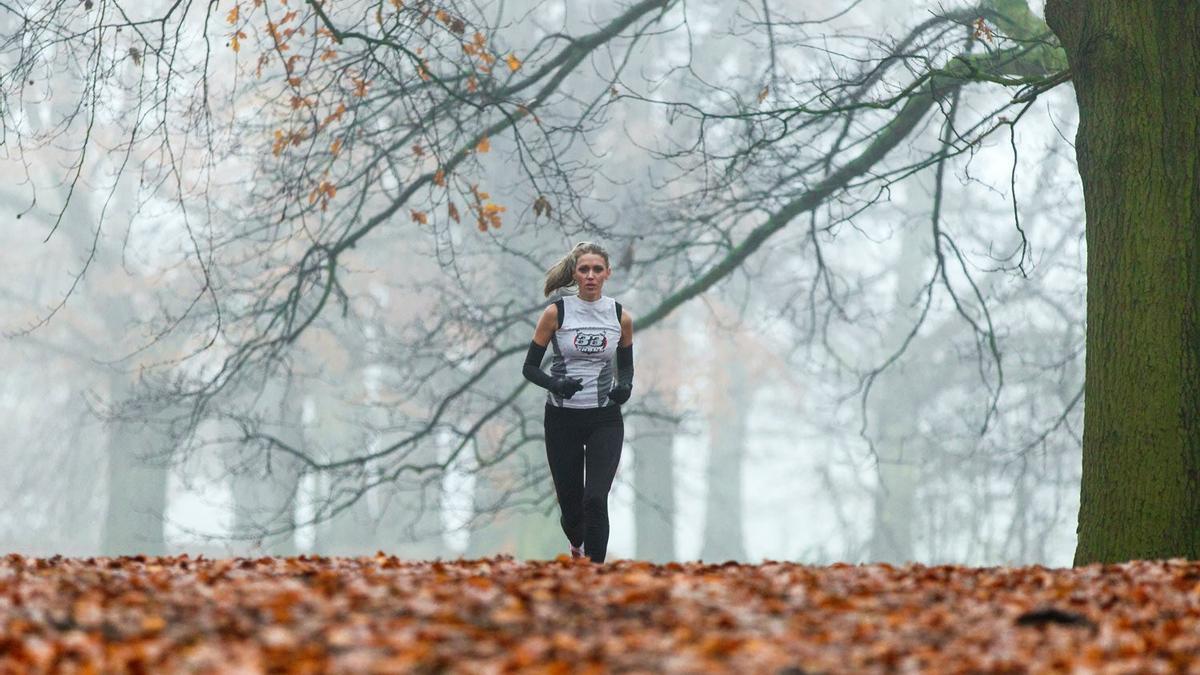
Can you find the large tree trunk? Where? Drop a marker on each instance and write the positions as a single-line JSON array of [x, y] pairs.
[[1136, 69]]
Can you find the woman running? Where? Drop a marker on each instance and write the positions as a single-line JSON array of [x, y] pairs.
[[584, 429]]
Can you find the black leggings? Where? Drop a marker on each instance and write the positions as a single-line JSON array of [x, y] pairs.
[[579, 439]]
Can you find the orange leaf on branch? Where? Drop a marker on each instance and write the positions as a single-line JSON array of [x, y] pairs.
[[325, 191], [492, 213], [420, 217], [335, 115], [983, 31]]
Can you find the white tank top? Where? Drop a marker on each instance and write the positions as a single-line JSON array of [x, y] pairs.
[[585, 347]]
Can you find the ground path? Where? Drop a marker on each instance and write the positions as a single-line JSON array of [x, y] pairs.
[[382, 614]]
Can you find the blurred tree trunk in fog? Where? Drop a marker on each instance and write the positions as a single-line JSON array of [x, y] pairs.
[[137, 484], [654, 481], [895, 408], [265, 487], [731, 393], [138, 450], [352, 530], [1016, 544], [897, 446], [79, 532], [655, 393]]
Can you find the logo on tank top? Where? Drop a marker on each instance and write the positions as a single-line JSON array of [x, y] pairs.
[[590, 343]]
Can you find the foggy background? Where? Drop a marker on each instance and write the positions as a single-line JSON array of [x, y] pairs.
[[834, 399]]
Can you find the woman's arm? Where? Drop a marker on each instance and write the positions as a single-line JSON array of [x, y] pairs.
[[546, 325], [624, 388], [532, 370]]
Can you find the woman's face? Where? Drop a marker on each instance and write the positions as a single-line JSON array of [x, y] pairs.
[[590, 273]]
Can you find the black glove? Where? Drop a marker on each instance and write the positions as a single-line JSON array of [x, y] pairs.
[[620, 393], [566, 387]]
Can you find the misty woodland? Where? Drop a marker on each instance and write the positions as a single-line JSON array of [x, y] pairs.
[[575, 336]]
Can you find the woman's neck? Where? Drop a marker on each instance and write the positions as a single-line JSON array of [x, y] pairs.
[[585, 298]]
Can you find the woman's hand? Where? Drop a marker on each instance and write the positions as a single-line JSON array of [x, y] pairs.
[[620, 393], [566, 387]]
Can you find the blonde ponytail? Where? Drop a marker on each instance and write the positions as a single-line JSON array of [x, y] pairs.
[[562, 273]]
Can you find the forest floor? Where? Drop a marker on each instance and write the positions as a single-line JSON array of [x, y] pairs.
[[382, 614]]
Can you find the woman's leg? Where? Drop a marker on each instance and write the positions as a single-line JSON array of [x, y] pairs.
[[603, 455], [564, 453]]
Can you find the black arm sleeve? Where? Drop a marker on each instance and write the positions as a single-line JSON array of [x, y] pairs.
[[533, 366], [625, 366]]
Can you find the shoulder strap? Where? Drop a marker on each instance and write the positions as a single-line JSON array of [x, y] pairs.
[[561, 310], [618, 311]]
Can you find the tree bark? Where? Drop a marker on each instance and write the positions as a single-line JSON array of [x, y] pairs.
[[1136, 70]]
